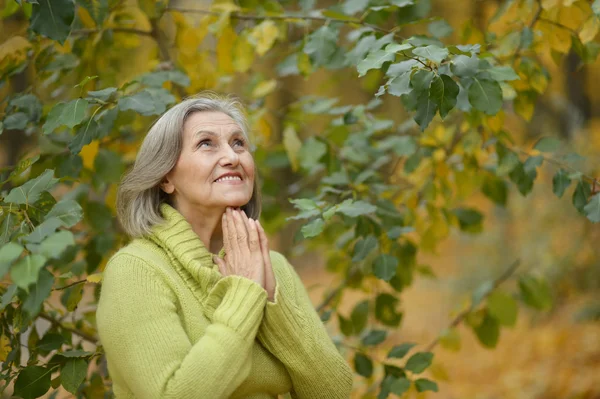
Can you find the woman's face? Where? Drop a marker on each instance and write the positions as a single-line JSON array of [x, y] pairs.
[[215, 168]]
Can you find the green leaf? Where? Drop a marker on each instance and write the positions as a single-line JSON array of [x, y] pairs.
[[54, 246], [68, 211], [444, 91], [75, 353], [485, 95], [580, 196], [73, 373], [547, 144], [374, 60], [108, 166], [150, 101], [560, 182], [385, 267], [311, 152], [355, 208], [313, 228], [502, 73], [400, 386], [399, 85], [503, 308], [374, 337], [399, 351], [8, 296], [419, 362], [157, 79], [9, 252], [104, 94], [39, 292], [7, 227], [16, 121], [523, 179], [98, 9], [426, 109], [385, 310], [363, 365], [351, 7], [423, 384], [488, 331], [53, 18], [480, 292], [33, 381], [469, 219], [321, 45], [495, 189], [395, 47], [440, 29], [363, 247], [359, 316], [432, 53], [50, 342], [596, 8], [464, 67], [421, 80], [43, 230], [592, 209], [26, 270], [535, 292], [68, 114], [30, 192]]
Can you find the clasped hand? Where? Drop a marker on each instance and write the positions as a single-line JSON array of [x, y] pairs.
[[246, 250]]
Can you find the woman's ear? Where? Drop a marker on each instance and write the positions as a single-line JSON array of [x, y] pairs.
[[167, 186]]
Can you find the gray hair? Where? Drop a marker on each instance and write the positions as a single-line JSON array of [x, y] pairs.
[[139, 195]]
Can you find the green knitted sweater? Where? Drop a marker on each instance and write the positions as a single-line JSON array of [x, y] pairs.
[[173, 327]]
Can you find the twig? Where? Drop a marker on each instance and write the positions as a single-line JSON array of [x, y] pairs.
[[281, 17], [559, 25], [82, 334], [536, 18], [69, 285], [461, 316], [331, 295], [559, 164], [120, 30]]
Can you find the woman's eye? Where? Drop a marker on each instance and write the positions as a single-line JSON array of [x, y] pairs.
[[239, 142], [200, 144]]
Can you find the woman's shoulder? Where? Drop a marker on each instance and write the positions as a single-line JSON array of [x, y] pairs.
[[139, 252]]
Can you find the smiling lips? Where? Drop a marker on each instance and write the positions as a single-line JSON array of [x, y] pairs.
[[229, 179]]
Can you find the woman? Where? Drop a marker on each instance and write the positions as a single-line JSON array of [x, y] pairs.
[[177, 321]]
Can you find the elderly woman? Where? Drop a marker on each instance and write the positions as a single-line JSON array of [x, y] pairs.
[[177, 321]]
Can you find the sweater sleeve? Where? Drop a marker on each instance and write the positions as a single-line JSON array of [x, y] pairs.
[[147, 347], [293, 332]]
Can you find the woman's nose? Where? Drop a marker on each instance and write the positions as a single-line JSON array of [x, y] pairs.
[[229, 157]]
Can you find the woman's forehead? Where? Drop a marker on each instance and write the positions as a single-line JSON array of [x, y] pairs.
[[209, 121]]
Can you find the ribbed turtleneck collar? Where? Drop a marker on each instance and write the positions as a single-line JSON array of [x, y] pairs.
[[185, 248]]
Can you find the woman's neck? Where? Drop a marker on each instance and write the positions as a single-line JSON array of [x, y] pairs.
[[207, 225]]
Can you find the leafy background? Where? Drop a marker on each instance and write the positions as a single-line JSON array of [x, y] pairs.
[[428, 166]]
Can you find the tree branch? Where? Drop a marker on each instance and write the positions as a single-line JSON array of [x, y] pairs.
[[462, 315], [282, 17], [120, 30], [69, 285], [56, 323]]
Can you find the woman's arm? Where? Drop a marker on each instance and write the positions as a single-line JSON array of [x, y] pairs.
[[293, 332], [148, 348]]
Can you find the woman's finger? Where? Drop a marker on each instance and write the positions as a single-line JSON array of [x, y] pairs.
[[221, 264], [264, 243], [253, 238], [234, 251]]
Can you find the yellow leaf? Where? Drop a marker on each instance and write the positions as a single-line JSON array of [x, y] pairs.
[[129, 17], [88, 154], [292, 145], [539, 82], [94, 278], [466, 181], [304, 64], [4, 347], [13, 51], [524, 105], [589, 30], [111, 197], [264, 36], [225, 50], [450, 339], [496, 122], [188, 40], [224, 6], [439, 372], [559, 39], [243, 54], [85, 18], [263, 88]]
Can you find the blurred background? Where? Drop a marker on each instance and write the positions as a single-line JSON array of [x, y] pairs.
[[551, 354]]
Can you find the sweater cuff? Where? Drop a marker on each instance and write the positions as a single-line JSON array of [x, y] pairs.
[[282, 320], [238, 303]]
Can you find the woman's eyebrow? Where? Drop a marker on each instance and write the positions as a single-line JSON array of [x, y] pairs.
[[211, 133]]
